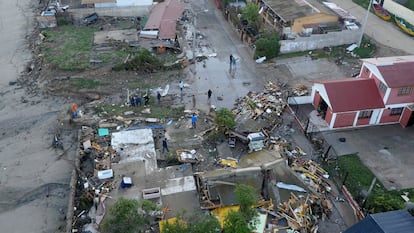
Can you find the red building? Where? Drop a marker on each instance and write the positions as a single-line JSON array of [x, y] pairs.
[[381, 94]]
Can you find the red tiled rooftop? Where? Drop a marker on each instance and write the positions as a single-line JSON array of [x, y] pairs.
[[398, 74], [164, 18], [353, 94]]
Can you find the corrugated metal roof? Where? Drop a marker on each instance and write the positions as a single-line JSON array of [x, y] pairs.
[[96, 1], [353, 94], [164, 18], [339, 11], [399, 221], [290, 10]]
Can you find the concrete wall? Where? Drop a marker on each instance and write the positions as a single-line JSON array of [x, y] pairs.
[[387, 118], [344, 119], [135, 11], [319, 41], [394, 98], [399, 10]]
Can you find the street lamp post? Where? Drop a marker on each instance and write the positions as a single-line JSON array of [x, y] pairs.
[[364, 24]]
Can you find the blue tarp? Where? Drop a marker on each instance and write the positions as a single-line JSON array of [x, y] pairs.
[[103, 132]]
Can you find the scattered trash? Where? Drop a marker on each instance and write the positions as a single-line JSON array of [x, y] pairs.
[[261, 60]]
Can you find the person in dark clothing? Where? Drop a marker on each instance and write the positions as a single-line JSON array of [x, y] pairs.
[[132, 101], [138, 101], [164, 145], [209, 92], [146, 100], [231, 61], [159, 97]]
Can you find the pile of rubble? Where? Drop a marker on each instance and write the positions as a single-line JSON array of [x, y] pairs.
[[303, 213], [95, 174], [271, 102], [313, 175]]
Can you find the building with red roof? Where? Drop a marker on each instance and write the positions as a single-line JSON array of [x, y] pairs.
[[381, 94], [162, 21]]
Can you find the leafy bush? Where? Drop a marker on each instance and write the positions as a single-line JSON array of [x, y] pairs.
[[268, 46], [225, 119]]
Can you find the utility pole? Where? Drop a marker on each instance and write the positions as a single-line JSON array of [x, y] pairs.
[[364, 24]]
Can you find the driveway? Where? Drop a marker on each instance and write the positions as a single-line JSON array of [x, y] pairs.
[[386, 150], [386, 33]]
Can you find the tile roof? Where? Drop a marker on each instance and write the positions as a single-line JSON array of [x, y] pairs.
[[164, 18], [398, 75], [399, 221], [396, 71], [353, 94]]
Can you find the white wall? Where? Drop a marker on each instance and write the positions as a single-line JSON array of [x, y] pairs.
[[125, 3], [320, 41]]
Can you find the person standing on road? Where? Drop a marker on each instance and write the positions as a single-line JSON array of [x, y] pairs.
[[159, 97], [194, 101], [194, 121], [231, 62], [209, 92], [181, 85], [164, 145], [234, 66]]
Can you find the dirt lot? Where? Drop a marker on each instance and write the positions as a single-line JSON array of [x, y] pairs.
[[34, 176]]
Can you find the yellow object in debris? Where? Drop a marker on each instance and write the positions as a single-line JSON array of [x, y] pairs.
[[228, 162], [170, 221], [222, 212]]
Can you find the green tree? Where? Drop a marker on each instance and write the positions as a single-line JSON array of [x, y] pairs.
[[246, 197], [225, 119], [250, 13], [128, 216], [236, 223], [197, 223], [268, 46]]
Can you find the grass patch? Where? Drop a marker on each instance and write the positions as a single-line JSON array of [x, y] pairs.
[[157, 111], [362, 3], [366, 50], [410, 4], [358, 180], [83, 83], [114, 57], [68, 47]]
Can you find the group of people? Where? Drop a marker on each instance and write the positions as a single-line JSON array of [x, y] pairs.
[[136, 101]]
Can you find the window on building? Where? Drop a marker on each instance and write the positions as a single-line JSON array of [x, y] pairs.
[[366, 70], [382, 87], [365, 114], [404, 91], [396, 111]]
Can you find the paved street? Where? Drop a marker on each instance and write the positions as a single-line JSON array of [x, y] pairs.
[[386, 33]]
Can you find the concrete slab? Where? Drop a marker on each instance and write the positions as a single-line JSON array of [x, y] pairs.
[[386, 150], [136, 145]]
